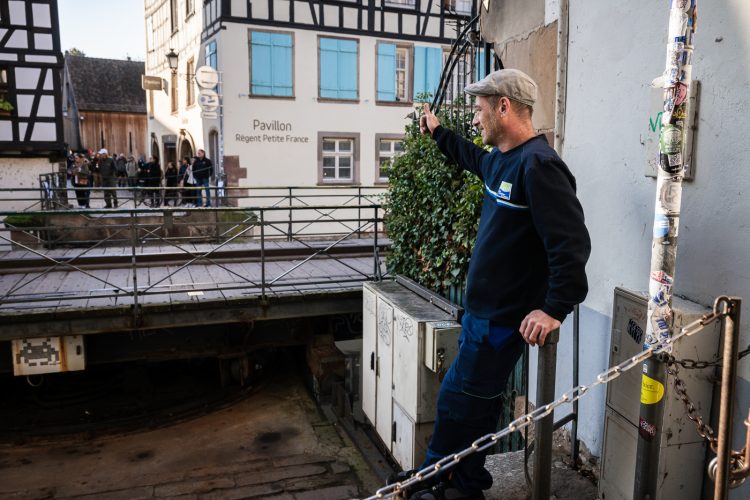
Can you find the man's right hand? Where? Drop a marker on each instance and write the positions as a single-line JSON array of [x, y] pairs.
[[428, 122]]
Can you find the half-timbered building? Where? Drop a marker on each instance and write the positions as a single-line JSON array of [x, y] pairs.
[[311, 92], [31, 133]]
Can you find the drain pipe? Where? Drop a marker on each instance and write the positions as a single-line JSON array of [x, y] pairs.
[[561, 93], [561, 96]]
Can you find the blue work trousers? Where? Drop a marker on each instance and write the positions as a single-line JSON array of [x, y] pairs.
[[470, 402], [204, 183]]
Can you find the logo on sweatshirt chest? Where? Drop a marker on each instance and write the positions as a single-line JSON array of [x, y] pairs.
[[504, 191]]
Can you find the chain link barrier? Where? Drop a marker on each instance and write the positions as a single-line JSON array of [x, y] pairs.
[[693, 364], [576, 393], [736, 458]]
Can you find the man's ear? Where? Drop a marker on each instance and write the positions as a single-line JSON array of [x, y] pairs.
[[503, 106]]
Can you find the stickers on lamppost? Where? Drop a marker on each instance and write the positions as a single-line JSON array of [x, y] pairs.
[[652, 391]]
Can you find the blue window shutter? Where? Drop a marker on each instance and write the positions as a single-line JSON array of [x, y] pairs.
[[420, 65], [329, 62], [434, 68], [261, 63], [480, 64], [271, 63], [281, 63], [347, 69], [428, 65], [386, 72], [338, 68]]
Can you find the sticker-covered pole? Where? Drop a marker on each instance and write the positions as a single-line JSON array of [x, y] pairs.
[[675, 81]]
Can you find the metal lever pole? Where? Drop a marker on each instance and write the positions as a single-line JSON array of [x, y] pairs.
[[545, 394], [730, 327]]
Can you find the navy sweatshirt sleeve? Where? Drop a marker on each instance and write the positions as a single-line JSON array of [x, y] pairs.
[[468, 155], [559, 222]]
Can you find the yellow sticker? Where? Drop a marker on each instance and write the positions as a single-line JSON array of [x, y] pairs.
[[651, 390]]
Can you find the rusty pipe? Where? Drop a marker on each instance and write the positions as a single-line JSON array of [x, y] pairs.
[[730, 324]]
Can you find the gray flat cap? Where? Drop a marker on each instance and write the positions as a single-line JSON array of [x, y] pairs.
[[511, 83]]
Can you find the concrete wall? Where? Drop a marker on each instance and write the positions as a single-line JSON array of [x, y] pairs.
[[614, 52], [536, 55], [512, 18], [525, 36]]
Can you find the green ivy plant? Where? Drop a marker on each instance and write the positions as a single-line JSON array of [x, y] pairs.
[[433, 209]]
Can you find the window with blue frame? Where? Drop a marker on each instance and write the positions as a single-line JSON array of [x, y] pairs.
[[339, 68], [271, 64], [393, 72], [210, 58], [428, 65]]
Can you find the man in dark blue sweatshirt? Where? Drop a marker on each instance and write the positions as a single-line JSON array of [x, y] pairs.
[[527, 268]]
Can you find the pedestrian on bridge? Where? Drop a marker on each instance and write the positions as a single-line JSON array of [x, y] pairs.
[[108, 172], [131, 169], [527, 269], [203, 171], [153, 179], [81, 180], [170, 179]]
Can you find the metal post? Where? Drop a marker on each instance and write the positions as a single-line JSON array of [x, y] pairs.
[[134, 265], [376, 266], [545, 394], [262, 256], [675, 81], [359, 212], [574, 445], [289, 231], [730, 327]]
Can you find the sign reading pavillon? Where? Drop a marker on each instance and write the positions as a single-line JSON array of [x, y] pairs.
[[270, 133]]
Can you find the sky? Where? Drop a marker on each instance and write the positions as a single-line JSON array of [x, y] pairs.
[[111, 29]]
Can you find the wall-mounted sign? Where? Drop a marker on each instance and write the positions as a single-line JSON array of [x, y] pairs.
[[271, 133], [151, 83], [209, 115], [206, 77], [208, 100]]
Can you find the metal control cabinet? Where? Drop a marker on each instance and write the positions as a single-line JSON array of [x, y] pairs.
[[682, 453], [406, 341]]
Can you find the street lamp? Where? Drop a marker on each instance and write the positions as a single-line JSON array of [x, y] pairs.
[[172, 60]]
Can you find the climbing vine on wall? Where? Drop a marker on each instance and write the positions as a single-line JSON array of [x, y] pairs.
[[433, 209]]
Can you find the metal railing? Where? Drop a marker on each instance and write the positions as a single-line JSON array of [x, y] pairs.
[[283, 239], [470, 59]]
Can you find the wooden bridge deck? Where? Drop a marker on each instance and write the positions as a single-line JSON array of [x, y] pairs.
[[38, 297]]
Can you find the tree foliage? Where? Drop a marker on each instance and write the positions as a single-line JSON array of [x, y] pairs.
[[433, 209]]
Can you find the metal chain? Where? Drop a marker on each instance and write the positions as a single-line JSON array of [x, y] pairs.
[[572, 395], [703, 429], [692, 364]]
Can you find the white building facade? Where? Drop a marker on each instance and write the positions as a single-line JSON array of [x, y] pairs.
[[312, 93]]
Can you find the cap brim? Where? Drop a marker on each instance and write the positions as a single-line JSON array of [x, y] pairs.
[[478, 89]]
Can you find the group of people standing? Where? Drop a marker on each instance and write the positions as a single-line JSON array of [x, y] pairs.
[[150, 185]]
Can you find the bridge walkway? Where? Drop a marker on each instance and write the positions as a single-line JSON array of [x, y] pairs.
[[65, 292]]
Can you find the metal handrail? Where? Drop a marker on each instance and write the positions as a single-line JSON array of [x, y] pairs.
[[136, 233]]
